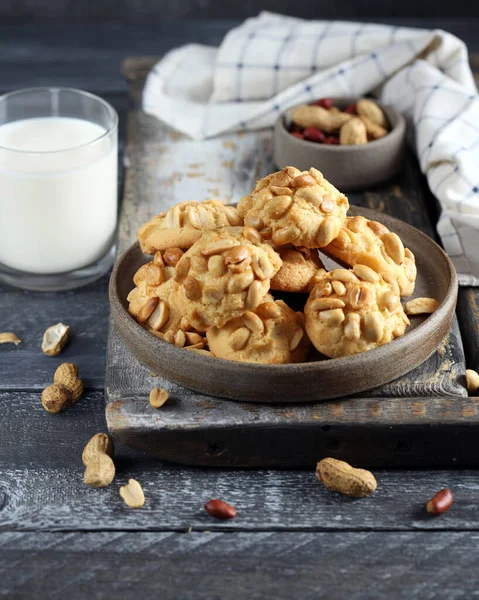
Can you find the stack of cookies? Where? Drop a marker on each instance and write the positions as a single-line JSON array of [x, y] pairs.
[[210, 285]]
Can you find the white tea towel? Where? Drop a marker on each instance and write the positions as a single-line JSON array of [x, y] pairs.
[[272, 62]]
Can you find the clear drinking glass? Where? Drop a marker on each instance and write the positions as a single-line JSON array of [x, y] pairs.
[[58, 188]]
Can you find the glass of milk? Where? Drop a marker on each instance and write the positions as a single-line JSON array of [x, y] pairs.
[[58, 188]]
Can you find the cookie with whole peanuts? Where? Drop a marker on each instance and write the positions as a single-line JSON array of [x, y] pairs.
[[295, 207], [153, 301], [183, 224], [352, 311], [297, 274], [370, 243], [224, 274], [273, 333]]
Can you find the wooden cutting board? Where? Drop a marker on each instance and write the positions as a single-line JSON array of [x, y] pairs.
[[422, 419]]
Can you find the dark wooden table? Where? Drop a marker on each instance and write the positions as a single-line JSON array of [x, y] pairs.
[[292, 538]]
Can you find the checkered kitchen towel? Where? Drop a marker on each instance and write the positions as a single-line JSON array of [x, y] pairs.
[[271, 62]]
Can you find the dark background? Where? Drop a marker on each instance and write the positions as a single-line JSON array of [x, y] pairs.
[[139, 11]]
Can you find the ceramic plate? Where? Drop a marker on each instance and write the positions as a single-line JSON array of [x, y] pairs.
[[302, 382]]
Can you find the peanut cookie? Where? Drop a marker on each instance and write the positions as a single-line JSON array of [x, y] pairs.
[[294, 207], [223, 275], [185, 223], [153, 304], [352, 311], [370, 243], [271, 334], [300, 265]]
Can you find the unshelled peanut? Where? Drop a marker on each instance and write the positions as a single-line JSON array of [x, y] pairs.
[[339, 476], [353, 133], [317, 116], [100, 471], [98, 459], [369, 109], [100, 443], [56, 398], [65, 391]]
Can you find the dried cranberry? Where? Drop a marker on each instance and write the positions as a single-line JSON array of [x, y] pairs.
[[351, 109], [297, 134], [331, 140], [313, 134], [324, 102]]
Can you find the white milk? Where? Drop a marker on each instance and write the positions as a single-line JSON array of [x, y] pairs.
[[58, 207]]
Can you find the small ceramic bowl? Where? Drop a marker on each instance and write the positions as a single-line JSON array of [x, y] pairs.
[[346, 167]]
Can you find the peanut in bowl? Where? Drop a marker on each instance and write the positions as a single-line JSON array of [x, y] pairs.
[[351, 166]]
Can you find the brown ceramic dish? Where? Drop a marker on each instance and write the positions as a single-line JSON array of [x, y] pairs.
[[349, 167], [303, 382]]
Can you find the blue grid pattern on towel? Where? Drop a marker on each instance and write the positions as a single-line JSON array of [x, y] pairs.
[[439, 94], [275, 64], [312, 89]]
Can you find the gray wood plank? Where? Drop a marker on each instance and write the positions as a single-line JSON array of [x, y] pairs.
[[41, 486], [89, 56], [153, 10], [55, 499], [201, 566], [28, 314], [422, 432]]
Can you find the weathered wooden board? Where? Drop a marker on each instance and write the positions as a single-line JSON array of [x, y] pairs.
[[41, 483], [164, 168], [89, 56], [205, 566], [28, 314], [432, 432], [147, 12]]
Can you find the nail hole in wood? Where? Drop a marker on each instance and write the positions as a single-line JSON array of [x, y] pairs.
[[403, 446], [215, 448]]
